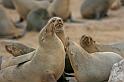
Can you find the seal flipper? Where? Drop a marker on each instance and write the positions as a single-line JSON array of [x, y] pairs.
[[16, 48]]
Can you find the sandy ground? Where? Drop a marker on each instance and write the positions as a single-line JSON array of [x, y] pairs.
[[106, 31]]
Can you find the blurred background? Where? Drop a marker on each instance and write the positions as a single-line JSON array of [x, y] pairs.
[[105, 31]]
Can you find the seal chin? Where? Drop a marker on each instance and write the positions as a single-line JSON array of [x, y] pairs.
[[60, 30]]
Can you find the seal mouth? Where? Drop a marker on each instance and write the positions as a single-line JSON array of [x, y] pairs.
[[59, 27]]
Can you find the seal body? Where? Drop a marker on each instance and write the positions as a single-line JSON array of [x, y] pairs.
[[8, 28], [48, 62], [37, 19], [95, 9], [23, 7], [8, 4], [94, 67], [60, 8]]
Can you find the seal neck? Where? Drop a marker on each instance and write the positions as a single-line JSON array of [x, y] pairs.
[[62, 37], [46, 49], [77, 55]]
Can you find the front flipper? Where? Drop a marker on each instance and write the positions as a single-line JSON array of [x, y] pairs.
[[16, 48], [17, 60]]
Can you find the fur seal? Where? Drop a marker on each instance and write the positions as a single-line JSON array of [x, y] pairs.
[[23, 7], [93, 67], [8, 4], [60, 8], [95, 9], [37, 19], [18, 49], [45, 60], [8, 28], [91, 46]]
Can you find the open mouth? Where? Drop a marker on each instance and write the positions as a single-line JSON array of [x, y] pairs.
[[59, 27]]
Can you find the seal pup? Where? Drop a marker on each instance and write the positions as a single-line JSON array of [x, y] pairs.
[[60, 8], [91, 46], [94, 67], [8, 28], [45, 60], [23, 7], [8, 4], [95, 9]]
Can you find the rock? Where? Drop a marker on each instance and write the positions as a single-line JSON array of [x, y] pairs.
[[117, 72]]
